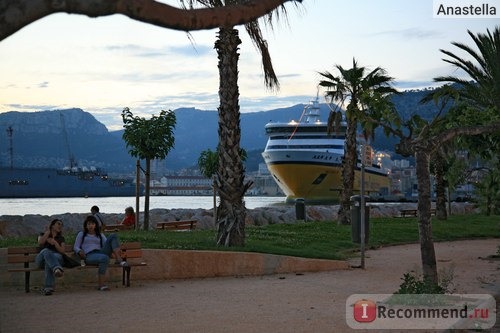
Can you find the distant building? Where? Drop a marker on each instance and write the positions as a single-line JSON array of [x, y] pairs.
[[264, 183], [182, 185]]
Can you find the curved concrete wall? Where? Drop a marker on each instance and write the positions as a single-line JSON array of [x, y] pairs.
[[178, 264]]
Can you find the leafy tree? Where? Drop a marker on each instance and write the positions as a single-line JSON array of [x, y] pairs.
[[230, 178], [360, 90], [207, 163], [16, 14], [149, 139], [422, 138], [488, 192]]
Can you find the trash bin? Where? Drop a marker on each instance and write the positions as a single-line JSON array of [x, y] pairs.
[[300, 209], [356, 219]]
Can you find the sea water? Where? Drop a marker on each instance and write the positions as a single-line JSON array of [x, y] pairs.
[[53, 206]]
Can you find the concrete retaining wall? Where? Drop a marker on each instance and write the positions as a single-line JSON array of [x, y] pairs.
[[177, 264]]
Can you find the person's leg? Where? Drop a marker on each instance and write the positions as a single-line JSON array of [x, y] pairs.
[[112, 245], [102, 260], [53, 259], [47, 259]]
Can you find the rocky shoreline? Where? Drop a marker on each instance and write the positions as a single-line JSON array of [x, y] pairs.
[[17, 225]]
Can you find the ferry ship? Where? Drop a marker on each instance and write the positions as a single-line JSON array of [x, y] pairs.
[[306, 161]]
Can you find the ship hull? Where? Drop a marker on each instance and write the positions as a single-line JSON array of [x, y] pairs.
[[316, 177], [53, 183]]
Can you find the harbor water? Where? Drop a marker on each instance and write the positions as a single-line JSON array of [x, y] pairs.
[[110, 205]]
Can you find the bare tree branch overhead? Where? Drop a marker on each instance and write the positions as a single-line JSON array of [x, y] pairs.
[[16, 14]]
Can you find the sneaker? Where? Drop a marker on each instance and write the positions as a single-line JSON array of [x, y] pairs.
[[47, 291], [103, 288], [122, 263], [58, 272]]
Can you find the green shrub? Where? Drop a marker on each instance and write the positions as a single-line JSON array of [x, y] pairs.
[[417, 284]]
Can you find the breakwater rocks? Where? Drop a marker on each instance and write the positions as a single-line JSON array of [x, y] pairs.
[[16, 225]]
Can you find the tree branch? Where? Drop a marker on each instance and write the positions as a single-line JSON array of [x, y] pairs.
[[471, 130], [16, 14]]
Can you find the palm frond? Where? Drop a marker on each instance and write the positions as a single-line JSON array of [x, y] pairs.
[[255, 33]]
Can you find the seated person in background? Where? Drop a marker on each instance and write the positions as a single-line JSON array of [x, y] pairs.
[[95, 211], [129, 219]]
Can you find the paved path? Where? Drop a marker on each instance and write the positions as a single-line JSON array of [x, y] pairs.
[[312, 302]]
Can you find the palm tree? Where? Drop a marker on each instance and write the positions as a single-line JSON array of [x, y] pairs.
[[230, 177], [356, 87], [482, 89]]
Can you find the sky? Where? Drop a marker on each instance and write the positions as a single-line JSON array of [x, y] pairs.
[[102, 65]]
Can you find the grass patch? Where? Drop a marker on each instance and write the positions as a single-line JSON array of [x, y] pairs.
[[325, 240]]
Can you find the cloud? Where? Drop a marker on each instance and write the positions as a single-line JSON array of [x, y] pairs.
[[411, 33], [135, 50], [44, 84], [192, 50], [31, 107], [405, 85]]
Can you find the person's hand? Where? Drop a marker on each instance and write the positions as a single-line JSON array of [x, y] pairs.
[[81, 254], [51, 241]]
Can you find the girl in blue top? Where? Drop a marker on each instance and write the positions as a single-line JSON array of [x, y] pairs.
[[96, 249]]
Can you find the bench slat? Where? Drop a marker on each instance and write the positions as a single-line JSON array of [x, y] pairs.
[[117, 227], [131, 246], [132, 253], [20, 258], [22, 250]]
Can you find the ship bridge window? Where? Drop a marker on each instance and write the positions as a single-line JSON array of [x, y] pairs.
[[301, 137], [299, 129], [305, 147], [319, 179]]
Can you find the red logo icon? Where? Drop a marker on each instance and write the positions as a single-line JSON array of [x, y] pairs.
[[365, 311]]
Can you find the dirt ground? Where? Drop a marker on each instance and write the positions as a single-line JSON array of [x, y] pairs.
[[311, 302]]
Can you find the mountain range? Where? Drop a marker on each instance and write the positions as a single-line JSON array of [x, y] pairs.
[[53, 138]]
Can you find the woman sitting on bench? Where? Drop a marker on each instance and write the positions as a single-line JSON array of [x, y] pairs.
[[50, 256], [96, 249]]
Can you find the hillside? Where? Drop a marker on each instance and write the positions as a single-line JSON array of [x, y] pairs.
[[50, 138]]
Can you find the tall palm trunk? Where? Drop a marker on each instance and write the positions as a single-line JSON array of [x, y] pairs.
[[428, 255], [349, 164], [231, 212]]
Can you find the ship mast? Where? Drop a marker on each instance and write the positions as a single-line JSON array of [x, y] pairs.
[[11, 146], [72, 162]]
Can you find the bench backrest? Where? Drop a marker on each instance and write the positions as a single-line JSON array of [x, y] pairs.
[[177, 225]]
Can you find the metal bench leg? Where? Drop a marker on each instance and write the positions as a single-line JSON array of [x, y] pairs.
[[126, 276], [27, 281]]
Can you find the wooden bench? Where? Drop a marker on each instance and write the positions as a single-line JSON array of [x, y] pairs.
[[131, 252], [116, 227], [413, 212], [177, 225], [408, 212]]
